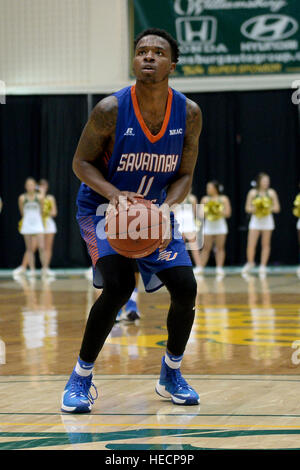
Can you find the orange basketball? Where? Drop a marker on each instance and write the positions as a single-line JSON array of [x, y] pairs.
[[137, 231]]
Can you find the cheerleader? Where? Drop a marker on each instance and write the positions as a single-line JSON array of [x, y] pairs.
[[217, 209], [49, 212], [31, 226], [296, 212], [262, 201], [186, 216]]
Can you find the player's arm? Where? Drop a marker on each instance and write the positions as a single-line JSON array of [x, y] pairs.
[[54, 207], [179, 189], [92, 144], [275, 200], [249, 207], [227, 207], [21, 204]]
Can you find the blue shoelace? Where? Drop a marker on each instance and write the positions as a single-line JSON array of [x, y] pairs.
[[80, 386], [178, 380]]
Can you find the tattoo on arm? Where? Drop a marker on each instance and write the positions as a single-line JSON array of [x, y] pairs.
[[99, 130], [191, 139]]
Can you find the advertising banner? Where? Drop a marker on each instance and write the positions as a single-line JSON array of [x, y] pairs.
[[226, 37]]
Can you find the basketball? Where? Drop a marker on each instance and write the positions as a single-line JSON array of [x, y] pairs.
[[137, 231]]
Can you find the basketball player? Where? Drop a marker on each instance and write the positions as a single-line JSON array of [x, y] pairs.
[[215, 231], [140, 142], [260, 226]]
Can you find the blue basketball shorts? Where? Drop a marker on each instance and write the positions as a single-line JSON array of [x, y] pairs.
[[93, 233]]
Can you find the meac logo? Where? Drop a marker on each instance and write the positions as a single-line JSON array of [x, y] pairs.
[[269, 28]]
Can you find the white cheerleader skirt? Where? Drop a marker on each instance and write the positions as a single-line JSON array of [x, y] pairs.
[[50, 226], [185, 217], [215, 227], [262, 223], [32, 225], [298, 224]]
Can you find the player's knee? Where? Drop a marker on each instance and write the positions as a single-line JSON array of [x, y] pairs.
[[186, 290], [120, 289]]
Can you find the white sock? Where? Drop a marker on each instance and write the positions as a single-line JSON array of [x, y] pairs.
[[174, 362], [84, 368], [134, 295]]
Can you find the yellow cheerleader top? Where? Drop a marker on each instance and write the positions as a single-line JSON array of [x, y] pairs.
[[296, 209], [213, 210], [263, 206], [47, 208]]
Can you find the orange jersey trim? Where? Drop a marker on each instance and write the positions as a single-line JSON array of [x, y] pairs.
[[151, 137]]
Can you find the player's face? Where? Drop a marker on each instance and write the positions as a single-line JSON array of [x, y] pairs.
[[30, 185], [264, 182], [44, 186], [211, 190], [152, 62]]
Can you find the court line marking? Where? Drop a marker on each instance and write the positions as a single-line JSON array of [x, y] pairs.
[[98, 377], [198, 415], [222, 426]]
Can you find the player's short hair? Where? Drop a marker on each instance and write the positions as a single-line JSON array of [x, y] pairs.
[[163, 34]]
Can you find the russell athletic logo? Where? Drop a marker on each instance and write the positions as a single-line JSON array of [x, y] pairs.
[[129, 132], [270, 28]]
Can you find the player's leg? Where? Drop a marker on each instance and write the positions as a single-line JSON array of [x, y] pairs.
[[118, 283], [253, 236], [41, 248], [25, 261], [191, 238], [29, 243], [182, 286], [207, 247], [220, 253], [265, 250], [49, 239], [131, 312], [131, 308]]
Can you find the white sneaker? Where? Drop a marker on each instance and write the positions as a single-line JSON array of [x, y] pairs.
[[31, 273], [89, 274], [198, 270], [48, 273], [18, 271], [220, 271], [262, 271], [247, 268]]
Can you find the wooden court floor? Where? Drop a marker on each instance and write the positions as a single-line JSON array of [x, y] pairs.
[[243, 358]]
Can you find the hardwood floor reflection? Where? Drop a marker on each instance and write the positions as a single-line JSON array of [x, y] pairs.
[[242, 326]]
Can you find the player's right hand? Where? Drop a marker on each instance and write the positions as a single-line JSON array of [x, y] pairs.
[[122, 199]]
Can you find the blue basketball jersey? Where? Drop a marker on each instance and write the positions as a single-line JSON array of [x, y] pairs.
[[141, 163]]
